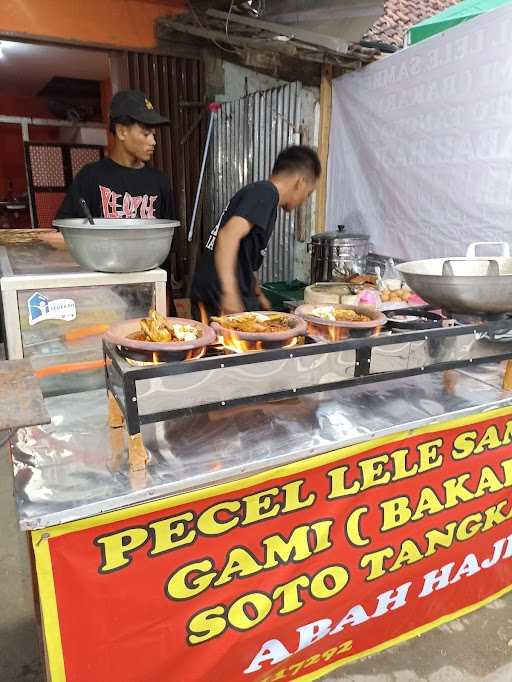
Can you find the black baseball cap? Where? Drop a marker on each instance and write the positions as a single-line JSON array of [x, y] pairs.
[[136, 105]]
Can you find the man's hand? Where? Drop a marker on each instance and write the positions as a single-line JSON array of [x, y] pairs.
[[231, 303], [226, 257], [264, 302]]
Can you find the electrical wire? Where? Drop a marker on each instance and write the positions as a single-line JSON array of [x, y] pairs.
[[228, 18], [205, 28], [258, 12]]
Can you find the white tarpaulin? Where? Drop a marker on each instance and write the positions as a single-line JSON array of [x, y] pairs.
[[420, 153]]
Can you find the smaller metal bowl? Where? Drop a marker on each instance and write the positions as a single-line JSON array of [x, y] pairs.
[[414, 320], [118, 244]]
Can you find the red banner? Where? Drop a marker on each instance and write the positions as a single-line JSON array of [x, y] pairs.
[[287, 574]]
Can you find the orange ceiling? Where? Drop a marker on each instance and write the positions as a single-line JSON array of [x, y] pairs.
[[120, 23]]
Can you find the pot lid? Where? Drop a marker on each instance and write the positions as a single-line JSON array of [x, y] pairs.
[[339, 236]]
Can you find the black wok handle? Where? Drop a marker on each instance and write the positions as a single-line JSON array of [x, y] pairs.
[[86, 211]]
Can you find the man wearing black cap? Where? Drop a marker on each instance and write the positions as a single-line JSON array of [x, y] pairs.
[[122, 186]]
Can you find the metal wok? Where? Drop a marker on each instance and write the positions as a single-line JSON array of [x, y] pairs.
[[474, 284]]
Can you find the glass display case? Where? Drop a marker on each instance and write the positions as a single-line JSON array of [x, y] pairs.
[[55, 313]]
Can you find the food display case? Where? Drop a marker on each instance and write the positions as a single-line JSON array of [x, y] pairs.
[[55, 313]]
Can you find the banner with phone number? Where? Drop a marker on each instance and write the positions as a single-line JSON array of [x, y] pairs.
[[287, 574]]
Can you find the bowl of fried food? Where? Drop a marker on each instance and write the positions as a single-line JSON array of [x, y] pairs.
[[158, 334], [335, 322], [259, 326], [395, 295]]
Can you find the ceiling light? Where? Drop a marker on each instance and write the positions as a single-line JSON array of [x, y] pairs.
[[2, 55]]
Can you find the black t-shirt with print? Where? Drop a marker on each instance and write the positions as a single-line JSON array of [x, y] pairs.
[[114, 191], [257, 203]]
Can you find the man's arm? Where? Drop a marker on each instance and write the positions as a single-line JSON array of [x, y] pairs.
[[70, 207], [226, 261], [168, 209]]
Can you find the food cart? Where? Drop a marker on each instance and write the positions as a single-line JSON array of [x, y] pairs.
[[55, 312], [300, 507]]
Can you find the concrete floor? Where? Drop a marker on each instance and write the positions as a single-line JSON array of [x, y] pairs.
[[476, 648], [19, 649]]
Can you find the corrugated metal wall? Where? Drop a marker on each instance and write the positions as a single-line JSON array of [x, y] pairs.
[[177, 87], [247, 136]]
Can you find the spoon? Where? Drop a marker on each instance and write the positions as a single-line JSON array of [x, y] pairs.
[[86, 211]]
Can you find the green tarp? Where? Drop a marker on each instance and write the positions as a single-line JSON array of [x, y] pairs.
[[456, 14]]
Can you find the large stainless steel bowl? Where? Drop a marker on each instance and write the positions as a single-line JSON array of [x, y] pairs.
[[118, 245], [481, 285]]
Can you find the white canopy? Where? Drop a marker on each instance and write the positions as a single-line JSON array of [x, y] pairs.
[[420, 153]]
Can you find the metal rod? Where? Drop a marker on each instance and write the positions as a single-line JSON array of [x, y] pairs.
[[20, 120], [213, 113], [306, 390], [28, 174], [208, 363]]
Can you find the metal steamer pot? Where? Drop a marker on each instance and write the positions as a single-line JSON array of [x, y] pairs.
[[478, 285], [337, 253]]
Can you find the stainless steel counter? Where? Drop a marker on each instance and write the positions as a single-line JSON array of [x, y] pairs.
[[72, 468]]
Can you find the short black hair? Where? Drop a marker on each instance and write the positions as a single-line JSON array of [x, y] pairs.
[[121, 120], [298, 159]]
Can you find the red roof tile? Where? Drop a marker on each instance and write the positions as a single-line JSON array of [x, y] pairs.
[[400, 15]]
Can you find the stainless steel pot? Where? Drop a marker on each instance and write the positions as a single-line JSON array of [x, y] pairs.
[[118, 245], [474, 284], [338, 251]]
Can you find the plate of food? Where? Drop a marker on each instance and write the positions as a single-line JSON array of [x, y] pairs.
[[158, 333], [342, 315], [335, 322], [259, 326]]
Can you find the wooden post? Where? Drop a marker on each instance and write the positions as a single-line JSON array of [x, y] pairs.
[[323, 144], [115, 416], [449, 381], [507, 378], [137, 455], [117, 449]]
